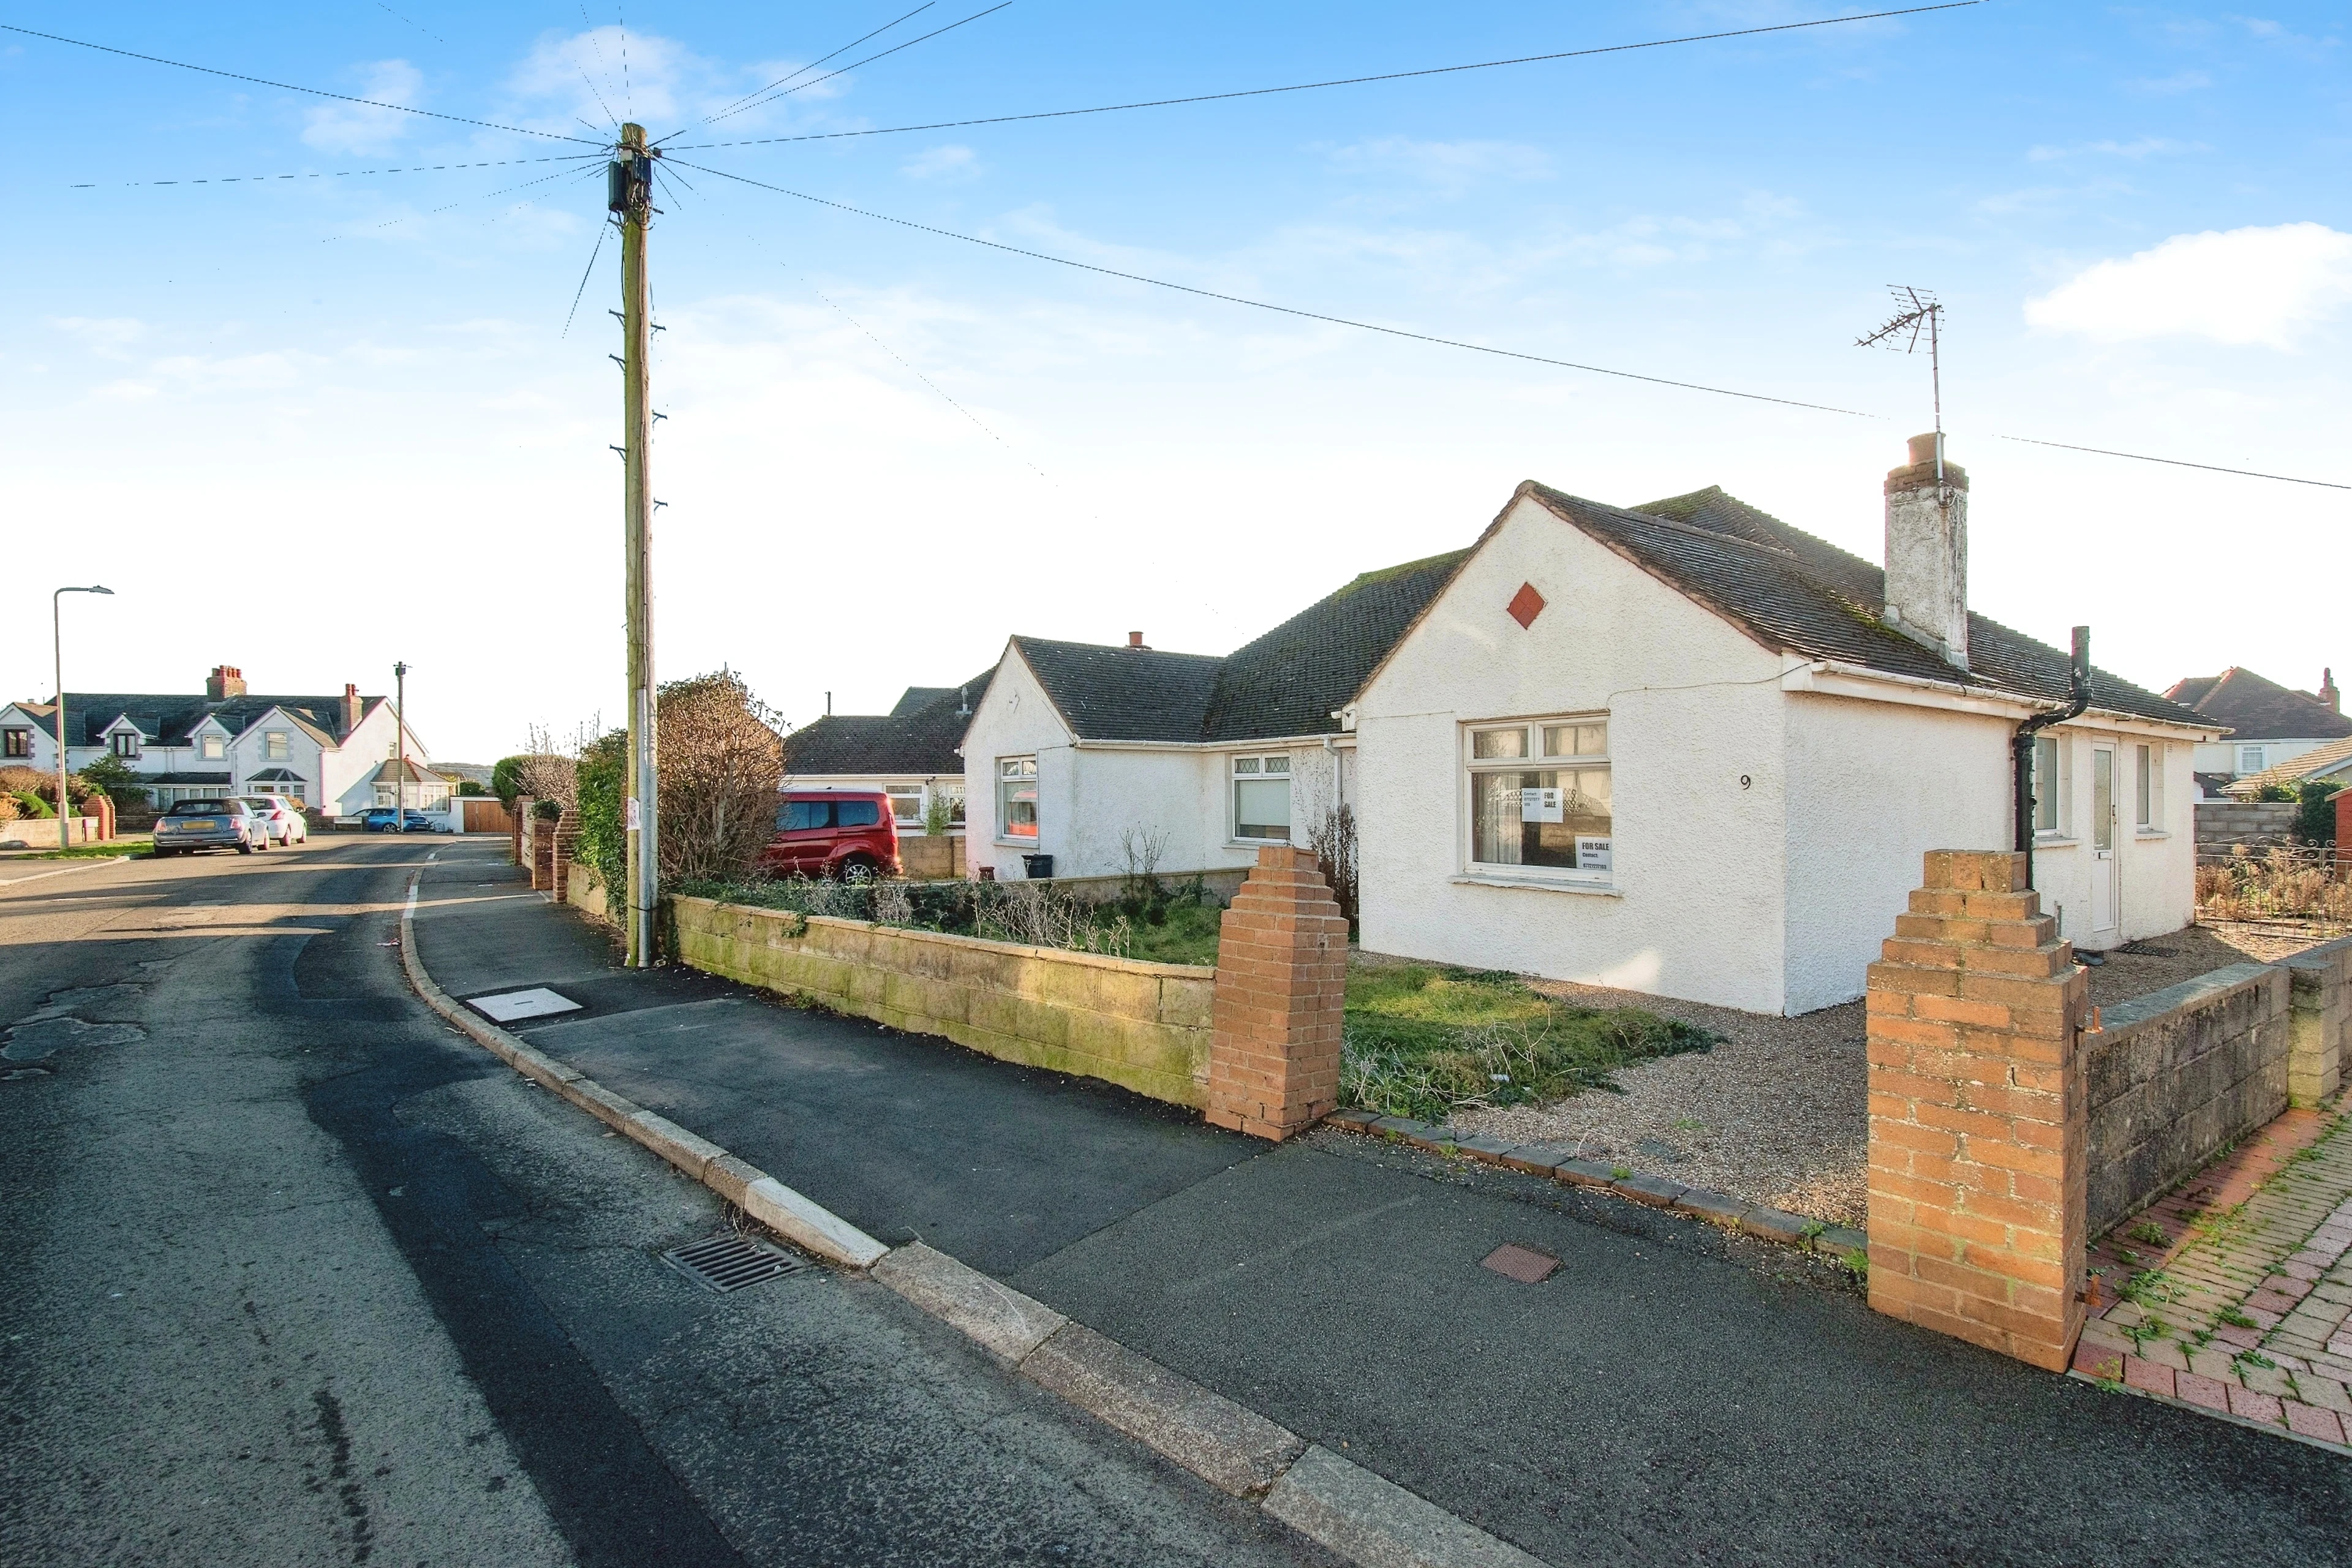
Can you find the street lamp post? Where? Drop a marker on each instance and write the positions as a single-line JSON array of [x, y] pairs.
[[58, 647], [400, 745]]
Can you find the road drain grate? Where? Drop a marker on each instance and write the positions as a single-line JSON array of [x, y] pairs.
[[729, 1262]]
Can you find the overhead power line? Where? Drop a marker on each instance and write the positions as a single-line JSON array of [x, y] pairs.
[[291, 86], [346, 174], [1342, 82], [1280, 309], [910, 43], [747, 97], [2177, 463]]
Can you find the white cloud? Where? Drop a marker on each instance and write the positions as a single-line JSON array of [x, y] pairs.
[[948, 163], [1452, 166], [2144, 147], [106, 336], [2245, 286], [360, 128]]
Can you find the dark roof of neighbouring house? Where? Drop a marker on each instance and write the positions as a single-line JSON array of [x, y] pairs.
[[1289, 681], [2259, 710], [913, 740], [1796, 592], [170, 719], [390, 772]]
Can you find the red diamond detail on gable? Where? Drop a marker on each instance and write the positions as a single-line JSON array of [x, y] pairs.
[[1526, 606]]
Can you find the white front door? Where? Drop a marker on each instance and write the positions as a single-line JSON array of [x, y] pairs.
[[2104, 899]]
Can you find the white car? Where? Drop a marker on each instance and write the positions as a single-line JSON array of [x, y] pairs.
[[281, 820]]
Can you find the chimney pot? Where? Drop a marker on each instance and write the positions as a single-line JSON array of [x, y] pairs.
[[1135, 639], [226, 681], [1928, 552]]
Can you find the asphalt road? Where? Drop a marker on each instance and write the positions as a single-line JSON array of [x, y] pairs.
[[291, 1273]]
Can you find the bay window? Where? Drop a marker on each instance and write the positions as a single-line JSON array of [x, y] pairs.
[[1016, 798], [1262, 797], [1539, 798]]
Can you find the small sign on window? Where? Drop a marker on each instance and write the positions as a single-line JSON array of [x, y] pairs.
[[1592, 854], [1542, 805]]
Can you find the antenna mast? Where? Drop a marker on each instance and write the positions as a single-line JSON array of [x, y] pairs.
[[1920, 315]]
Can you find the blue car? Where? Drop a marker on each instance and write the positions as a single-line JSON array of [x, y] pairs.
[[387, 819]]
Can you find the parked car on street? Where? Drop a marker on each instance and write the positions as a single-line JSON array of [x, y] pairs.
[[390, 819], [194, 825], [833, 833], [281, 817]]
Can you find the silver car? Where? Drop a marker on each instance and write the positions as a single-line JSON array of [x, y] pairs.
[[194, 825], [281, 818]]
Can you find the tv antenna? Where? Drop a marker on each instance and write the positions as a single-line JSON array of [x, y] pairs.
[[1920, 315]]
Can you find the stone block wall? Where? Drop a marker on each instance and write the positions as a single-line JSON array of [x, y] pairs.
[[2321, 1026], [930, 857], [2221, 823], [1145, 1027], [2176, 1074], [1978, 1131], [1282, 984]]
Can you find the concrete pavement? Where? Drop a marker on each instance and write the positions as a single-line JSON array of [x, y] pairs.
[[291, 1273], [1669, 1393]]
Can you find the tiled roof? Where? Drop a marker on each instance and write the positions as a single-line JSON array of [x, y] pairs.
[[1292, 680], [1286, 682], [1794, 592], [2258, 710], [2332, 758], [388, 771], [910, 740], [168, 719]]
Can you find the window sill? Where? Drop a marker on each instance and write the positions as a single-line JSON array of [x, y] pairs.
[[2051, 841], [2144, 835], [1028, 844], [1254, 843], [1538, 885]]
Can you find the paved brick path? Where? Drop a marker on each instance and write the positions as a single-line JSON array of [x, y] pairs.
[[2233, 1293]]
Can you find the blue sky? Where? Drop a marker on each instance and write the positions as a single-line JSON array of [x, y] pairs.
[[312, 425]]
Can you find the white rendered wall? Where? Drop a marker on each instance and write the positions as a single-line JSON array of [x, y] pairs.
[[2158, 871], [1015, 719], [2221, 756], [1873, 786], [1693, 705], [249, 754]]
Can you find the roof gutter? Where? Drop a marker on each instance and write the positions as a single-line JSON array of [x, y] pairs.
[[2021, 744]]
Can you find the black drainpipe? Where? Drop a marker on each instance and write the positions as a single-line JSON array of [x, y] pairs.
[[2020, 745]]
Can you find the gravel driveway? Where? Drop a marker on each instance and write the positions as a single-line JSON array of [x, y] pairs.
[[1778, 1113]]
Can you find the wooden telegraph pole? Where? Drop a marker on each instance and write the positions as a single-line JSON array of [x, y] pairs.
[[630, 197]]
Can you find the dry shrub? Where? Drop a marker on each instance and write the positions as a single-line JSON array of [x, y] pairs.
[[2273, 884], [15, 778], [721, 762], [545, 771]]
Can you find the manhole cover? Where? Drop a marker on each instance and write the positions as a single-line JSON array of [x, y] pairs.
[[729, 1262], [1524, 1264], [538, 1002]]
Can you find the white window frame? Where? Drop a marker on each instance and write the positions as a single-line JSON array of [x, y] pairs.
[[278, 746], [212, 746], [2260, 755], [1006, 774], [2052, 813], [1256, 766], [916, 793], [1469, 765], [2148, 789]]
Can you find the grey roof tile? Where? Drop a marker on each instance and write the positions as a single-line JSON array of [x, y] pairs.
[[911, 740]]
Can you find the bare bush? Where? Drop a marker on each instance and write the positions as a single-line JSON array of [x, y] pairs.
[[1037, 914], [2278, 883], [720, 762], [1333, 841], [546, 771]]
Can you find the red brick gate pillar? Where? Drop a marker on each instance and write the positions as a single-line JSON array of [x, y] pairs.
[[2344, 832], [1978, 1114], [566, 835], [1282, 980]]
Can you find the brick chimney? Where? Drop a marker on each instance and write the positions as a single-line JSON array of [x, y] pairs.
[[2328, 692], [1927, 552], [351, 708], [226, 681], [1135, 639]]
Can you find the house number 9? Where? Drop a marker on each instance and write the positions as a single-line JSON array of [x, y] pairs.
[[1745, 781]]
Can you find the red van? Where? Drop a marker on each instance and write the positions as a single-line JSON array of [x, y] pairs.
[[833, 833]]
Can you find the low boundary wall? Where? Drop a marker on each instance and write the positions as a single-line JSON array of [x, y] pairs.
[[2178, 1074], [2224, 823], [1144, 1027]]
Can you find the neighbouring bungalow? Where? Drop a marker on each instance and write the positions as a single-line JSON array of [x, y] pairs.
[[1086, 760], [2264, 724], [1687, 749], [328, 752], [2329, 764], [909, 753]]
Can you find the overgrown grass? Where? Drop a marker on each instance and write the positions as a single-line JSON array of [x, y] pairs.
[[1425, 1041]]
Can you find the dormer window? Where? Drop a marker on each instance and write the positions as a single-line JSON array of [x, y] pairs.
[[212, 746], [125, 742]]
